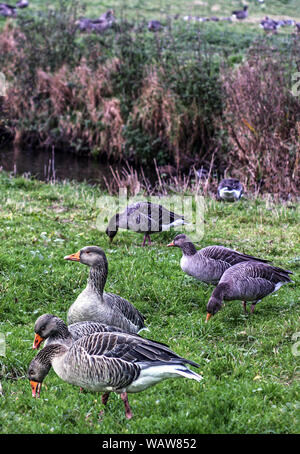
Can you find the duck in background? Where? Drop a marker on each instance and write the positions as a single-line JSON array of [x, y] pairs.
[[230, 190], [240, 14]]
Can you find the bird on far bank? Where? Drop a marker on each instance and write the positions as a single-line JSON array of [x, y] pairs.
[[208, 264], [144, 217], [230, 190], [7, 10], [155, 26], [240, 14], [247, 281]]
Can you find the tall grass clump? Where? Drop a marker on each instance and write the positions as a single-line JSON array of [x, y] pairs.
[[262, 118]]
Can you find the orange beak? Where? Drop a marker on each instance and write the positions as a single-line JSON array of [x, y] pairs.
[[37, 341], [73, 257], [36, 388], [171, 244], [208, 317]]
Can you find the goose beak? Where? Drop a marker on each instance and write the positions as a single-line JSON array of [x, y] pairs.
[[74, 257], [208, 317], [171, 244], [36, 388], [37, 341]]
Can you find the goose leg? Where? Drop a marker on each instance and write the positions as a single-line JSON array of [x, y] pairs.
[[253, 307], [245, 306], [104, 398], [149, 240], [128, 413], [144, 242]]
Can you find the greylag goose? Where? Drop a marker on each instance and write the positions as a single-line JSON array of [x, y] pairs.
[[240, 14], [230, 189], [22, 4], [144, 217], [110, 362], [95, 305], [54, 330], [155, 26], [207, 264], [105, 21], [248, 281], [7, 10]]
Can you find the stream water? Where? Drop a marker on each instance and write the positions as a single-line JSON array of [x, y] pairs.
[[50, 165]]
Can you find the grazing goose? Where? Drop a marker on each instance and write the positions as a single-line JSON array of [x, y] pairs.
[[110, 362], [105, 21], [95, 305], [22, 4], [240, 14], [155, 26], [7, 10], [230, 189], [144, 217], [55, 331], [248, 281], [207, 264], [270, 25]]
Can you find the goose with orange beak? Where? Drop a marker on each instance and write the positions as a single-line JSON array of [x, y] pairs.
[[110, 362], [93, 304], [247, 281], [53, 330], [208, 264]]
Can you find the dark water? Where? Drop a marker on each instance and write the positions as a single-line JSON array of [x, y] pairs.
[[50, 166]]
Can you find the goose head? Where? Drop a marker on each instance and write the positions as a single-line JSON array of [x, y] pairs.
[[213, 306], [40, 366], [48, 325], [92, 256], [184, 243], [37, 371], [112, 227]]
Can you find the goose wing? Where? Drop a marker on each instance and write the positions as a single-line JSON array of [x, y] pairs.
[[224, 254], [129, 348], [147, 217], [123, 309], [81, 329]]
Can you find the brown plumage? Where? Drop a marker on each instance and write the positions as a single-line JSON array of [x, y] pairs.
[[93, 304], [248, 281], [110, 362], [208, 264], [144, 217]]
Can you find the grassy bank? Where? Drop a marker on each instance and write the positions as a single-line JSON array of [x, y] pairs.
[[251, 378]]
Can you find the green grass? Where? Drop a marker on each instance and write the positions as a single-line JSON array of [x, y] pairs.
[[162, 9], [159, 8], [251, 378]]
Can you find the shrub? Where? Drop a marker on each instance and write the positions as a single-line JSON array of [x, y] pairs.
[[263, 121]]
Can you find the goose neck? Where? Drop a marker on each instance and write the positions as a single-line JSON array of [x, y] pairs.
[[97, 278], [188, 249]]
